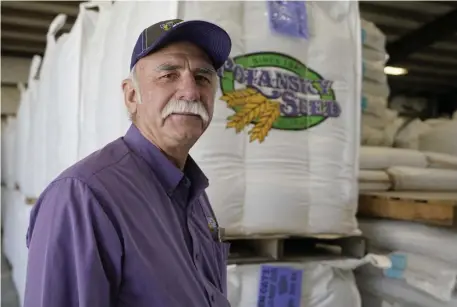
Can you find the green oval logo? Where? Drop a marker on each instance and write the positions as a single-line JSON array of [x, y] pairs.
[[275, 91]]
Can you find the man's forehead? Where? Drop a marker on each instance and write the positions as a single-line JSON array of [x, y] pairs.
[[183, 50]]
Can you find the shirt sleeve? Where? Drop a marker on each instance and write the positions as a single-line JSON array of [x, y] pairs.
[[74, 250]]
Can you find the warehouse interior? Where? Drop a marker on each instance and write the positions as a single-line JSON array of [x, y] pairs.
[[406, 156]]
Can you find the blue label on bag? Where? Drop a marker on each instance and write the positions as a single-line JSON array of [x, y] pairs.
[[364, 103], [279, 287], [364, 36], [288, 18], [399, 261]]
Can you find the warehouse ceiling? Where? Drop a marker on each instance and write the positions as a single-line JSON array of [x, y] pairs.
[[422, 37]]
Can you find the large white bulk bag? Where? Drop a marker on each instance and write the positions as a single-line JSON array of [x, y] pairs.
[[43, 138], [67, 90], [302, 171], [310, 284], [25, 160], [9, 168], [91, 82], [10, 212], [442, 139], [20, 257], [3, 150]]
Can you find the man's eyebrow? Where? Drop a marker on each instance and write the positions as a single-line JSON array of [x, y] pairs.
[[206, 70], [171, 67], [168, 67]]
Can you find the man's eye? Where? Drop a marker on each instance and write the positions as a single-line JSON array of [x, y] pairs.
[[169, 76], [202, 79]]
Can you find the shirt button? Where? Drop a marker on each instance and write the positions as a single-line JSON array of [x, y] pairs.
[[197, 256], [212, 298]]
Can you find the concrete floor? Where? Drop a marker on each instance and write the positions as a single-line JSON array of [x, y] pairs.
[[9, 293]]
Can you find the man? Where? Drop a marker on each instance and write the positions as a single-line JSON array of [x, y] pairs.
[[131, 225]]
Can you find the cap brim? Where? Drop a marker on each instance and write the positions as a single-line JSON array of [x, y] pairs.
[[212, 39]]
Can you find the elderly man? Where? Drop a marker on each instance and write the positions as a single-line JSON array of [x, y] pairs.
[[131, 225]]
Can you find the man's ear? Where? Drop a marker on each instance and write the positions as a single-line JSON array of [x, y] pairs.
[[130, 96]]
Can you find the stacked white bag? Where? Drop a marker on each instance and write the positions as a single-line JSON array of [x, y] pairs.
[[25, 167], [442, 138], [290, 182], [379, 123], [308, 284], [401, 169], [9, 134]]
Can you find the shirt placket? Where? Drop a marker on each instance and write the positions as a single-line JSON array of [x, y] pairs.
[[196, 250]]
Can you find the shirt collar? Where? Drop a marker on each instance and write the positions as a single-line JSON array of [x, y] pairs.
[[169, 175]]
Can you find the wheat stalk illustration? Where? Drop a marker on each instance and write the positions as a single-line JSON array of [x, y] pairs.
[[254, 107], [238, 98], [265, 122]]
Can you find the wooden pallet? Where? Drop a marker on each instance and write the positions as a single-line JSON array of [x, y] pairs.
[[260, 249], [426, 207]]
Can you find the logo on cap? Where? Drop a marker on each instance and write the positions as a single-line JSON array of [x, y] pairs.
[[170, 24]]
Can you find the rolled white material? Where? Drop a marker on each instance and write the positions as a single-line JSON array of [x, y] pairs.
[[372, 180], [440, 160], [422, 179], [378, 158]]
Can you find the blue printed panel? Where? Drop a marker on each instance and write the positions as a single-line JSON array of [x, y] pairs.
[[279, 287], [288, 18]]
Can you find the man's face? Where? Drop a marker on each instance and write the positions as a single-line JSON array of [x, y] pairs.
[[174, 96]]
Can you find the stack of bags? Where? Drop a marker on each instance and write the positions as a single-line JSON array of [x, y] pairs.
[[379, 123], [424, 262], [424, 270], [401, 169], [434, 134]]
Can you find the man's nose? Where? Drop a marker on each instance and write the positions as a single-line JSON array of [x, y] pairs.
[[189, 89]]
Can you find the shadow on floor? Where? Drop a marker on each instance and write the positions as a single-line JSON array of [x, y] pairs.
[[9, 293]]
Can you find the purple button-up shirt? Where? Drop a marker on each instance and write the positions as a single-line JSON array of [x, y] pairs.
[[125, 227]]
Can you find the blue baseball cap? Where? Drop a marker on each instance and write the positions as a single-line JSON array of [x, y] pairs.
[[212, 39]]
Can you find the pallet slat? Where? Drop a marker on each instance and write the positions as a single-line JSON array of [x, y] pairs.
[[258, 249], [425, 207]]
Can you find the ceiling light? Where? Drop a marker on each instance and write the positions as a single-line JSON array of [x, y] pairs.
[[395, 71]]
